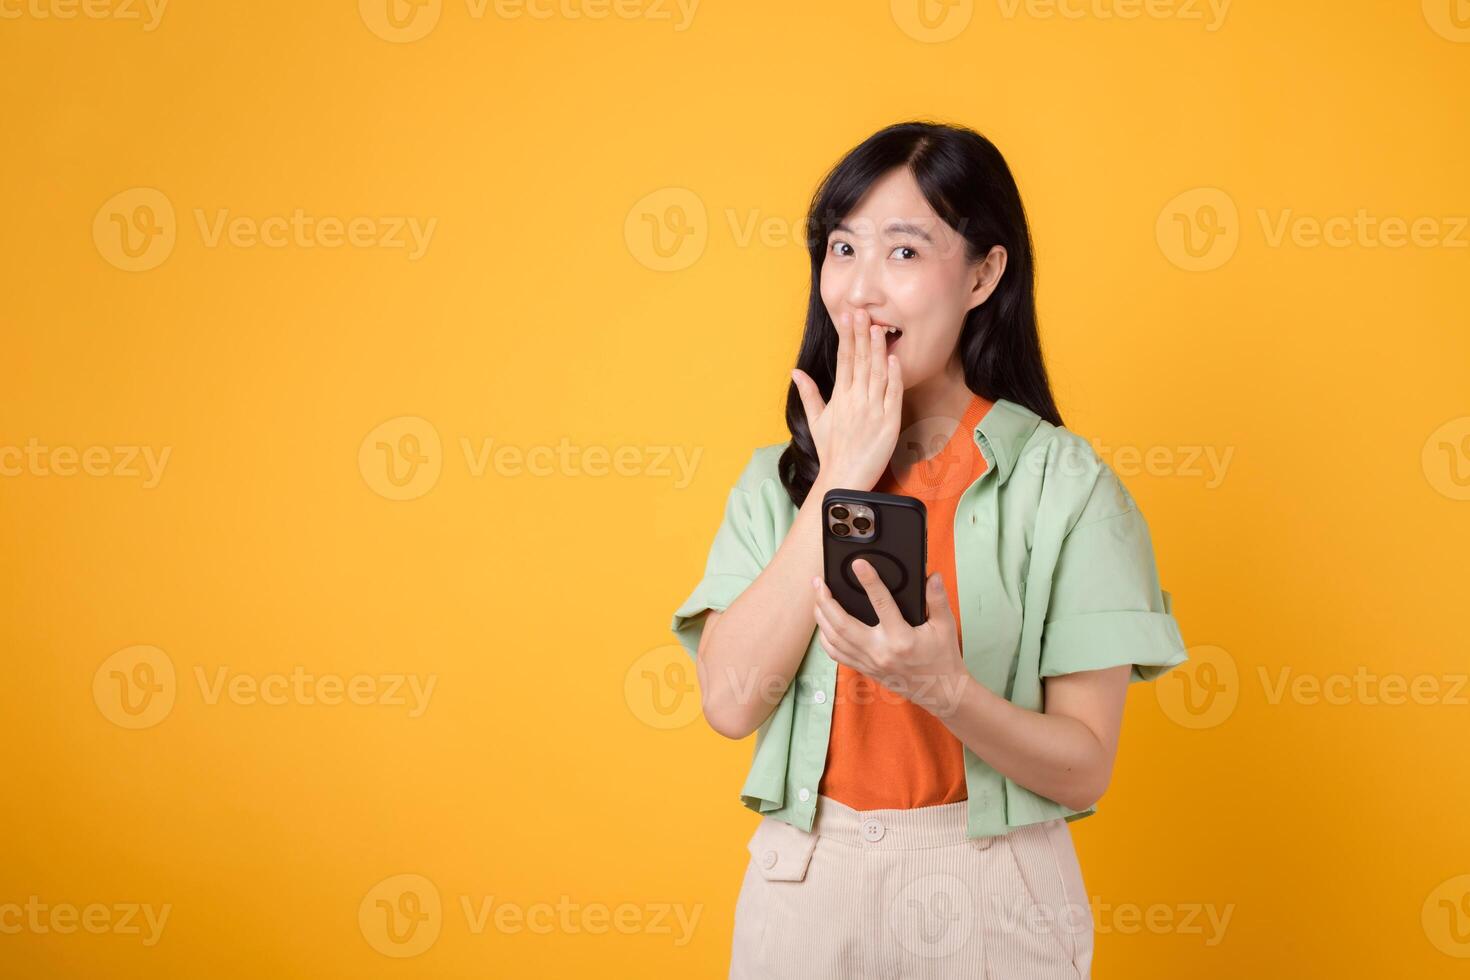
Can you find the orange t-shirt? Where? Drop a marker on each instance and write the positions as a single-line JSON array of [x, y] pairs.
[[885, 752]]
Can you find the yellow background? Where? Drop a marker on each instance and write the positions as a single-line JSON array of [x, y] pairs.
[[546, 149]]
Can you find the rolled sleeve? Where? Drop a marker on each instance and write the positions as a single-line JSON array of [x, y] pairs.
[[736, 557], [1106, 607]]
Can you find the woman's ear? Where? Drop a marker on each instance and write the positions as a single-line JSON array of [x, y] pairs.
[[986, 276]]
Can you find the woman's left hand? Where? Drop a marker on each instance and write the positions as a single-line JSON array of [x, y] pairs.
[[921, 663]]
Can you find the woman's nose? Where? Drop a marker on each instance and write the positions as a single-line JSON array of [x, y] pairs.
[[864, 287]]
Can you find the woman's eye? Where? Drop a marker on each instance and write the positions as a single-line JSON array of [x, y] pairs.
[[838, 246], [905, 248]]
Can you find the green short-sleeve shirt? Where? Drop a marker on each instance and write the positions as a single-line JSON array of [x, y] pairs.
[[1055, 573]]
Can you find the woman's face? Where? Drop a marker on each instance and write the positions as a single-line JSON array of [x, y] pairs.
[[895, 258]]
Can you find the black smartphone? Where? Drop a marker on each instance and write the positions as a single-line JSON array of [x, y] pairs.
[[887, 530]]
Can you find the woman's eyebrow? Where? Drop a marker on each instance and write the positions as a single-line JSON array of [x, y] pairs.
[[894, 228]]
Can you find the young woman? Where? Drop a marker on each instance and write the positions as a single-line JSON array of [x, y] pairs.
[[915, 783]]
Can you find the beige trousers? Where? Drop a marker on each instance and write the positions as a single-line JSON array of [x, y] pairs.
[[904, 893]]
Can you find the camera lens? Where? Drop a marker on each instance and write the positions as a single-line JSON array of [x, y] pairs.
[[861, 523], [840, 530], [839, 512]]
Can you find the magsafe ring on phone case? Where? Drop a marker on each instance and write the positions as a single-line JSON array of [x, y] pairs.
[[892, 572]]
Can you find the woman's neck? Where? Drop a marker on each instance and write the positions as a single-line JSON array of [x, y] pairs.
[[945, 395]]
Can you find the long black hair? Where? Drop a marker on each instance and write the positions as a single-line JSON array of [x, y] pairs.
[[967, 183]]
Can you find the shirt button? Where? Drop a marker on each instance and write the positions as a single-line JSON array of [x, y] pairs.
[[769, 859], [872, 830], [803, 794], [820, 697]]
